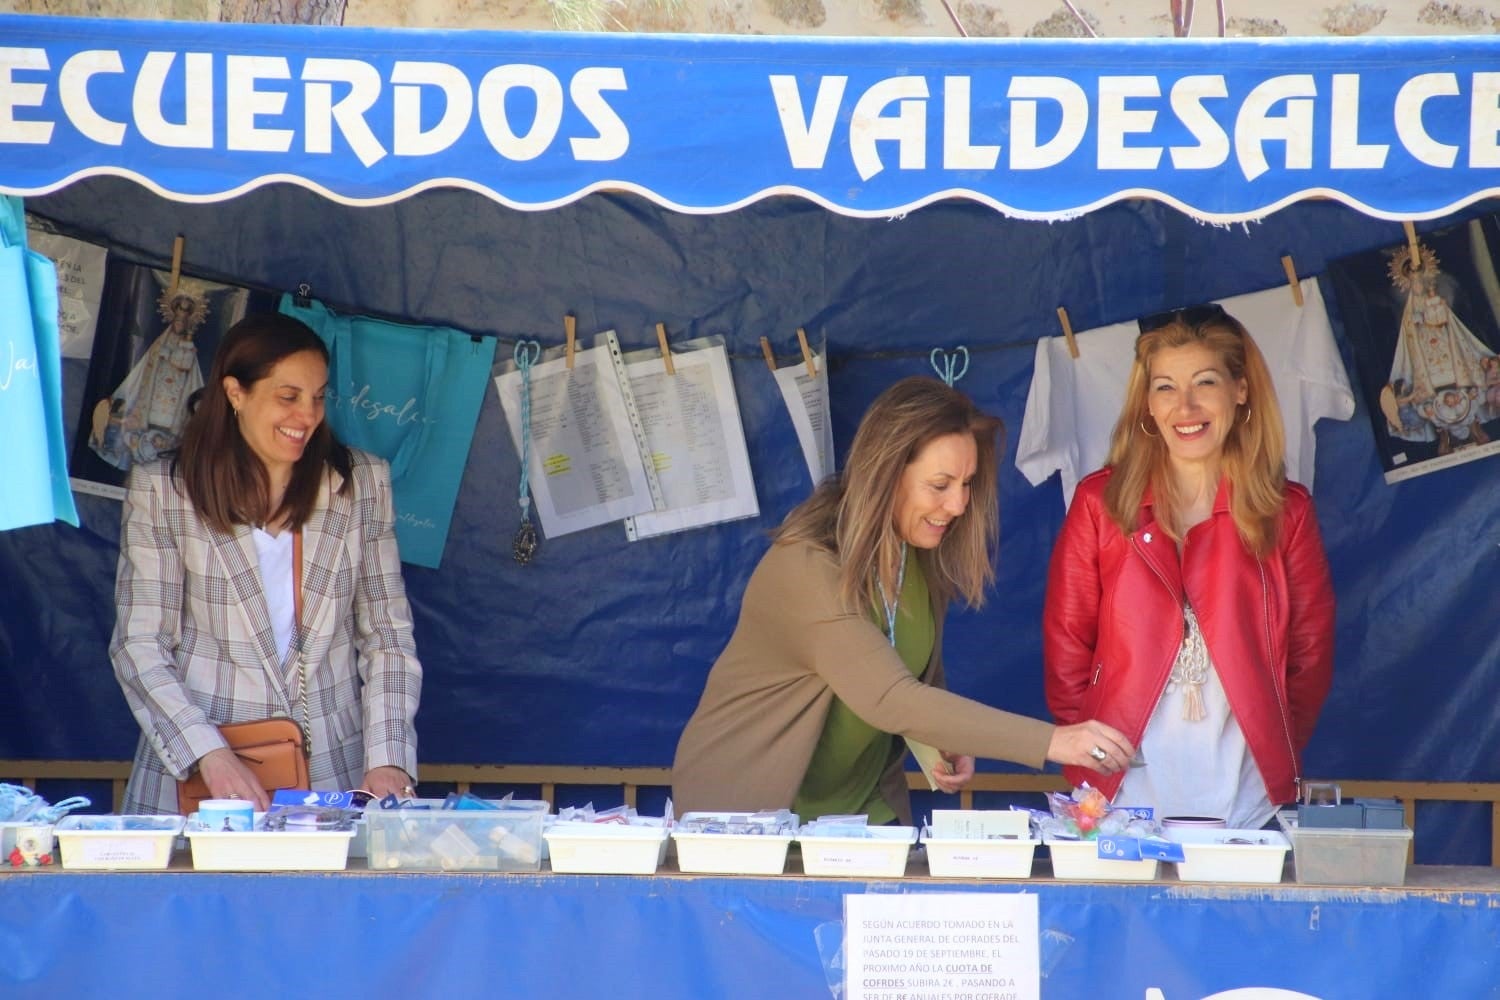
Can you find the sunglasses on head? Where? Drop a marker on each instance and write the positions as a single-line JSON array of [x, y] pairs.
[[1192, 317]]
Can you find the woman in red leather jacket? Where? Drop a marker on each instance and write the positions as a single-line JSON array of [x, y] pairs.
[[1188, 600]]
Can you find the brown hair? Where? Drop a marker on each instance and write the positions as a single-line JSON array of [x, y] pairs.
[[214, 466], [853, 514], [1254, 455]]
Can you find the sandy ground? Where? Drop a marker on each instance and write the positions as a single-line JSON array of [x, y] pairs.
[[995, 18]]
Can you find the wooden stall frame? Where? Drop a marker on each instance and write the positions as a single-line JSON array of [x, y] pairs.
[[631, 779]]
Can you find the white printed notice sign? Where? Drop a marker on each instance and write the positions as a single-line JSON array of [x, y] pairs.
[[941, 946]]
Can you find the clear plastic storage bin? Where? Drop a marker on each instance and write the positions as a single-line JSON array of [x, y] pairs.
[[1346, 856], [507, 838]]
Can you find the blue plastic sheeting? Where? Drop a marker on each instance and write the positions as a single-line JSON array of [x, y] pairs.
[[597, 653], [85, 934], [1039, 128]]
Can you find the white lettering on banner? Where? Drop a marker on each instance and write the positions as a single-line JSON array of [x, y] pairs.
[[73, 89], [1188, 95], [243, 103], [496, 124], [808, 137], [349, 111], [458, 106], [1345, 151], [586, 88], [1409, 128], [13, 365], [1024, 92], [1255, 125], [908, 128], [1116, 121], [1484, 121], [196, 130], [958, 153], [1279, 109], [22, 95]]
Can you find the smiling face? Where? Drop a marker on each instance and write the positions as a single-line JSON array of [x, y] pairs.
[[278, 414], [934, 489], [1192, 399]]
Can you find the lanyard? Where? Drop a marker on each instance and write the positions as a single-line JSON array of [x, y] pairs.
[[891, 606]]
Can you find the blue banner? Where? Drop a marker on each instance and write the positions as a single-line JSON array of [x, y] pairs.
[[1226, 130]]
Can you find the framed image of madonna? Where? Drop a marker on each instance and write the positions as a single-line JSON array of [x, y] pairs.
[[1424, 324], [152, 349]]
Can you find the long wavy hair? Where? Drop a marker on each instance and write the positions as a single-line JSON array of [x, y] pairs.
[[1254, 454], [215, 466], [853, 514]]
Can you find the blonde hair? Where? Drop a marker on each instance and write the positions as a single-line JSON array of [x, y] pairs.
[[852, 514], [1254, 453]]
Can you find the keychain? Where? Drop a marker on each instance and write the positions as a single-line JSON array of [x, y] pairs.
[[524, 546]]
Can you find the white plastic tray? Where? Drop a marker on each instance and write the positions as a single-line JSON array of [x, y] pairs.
[[269, 851], [605, 848], [729, 853], [102, 843], [954, 857], [1207, 857], [882, 854], [1079, 860]]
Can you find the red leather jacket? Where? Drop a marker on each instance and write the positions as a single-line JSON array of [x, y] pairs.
[[1112, 625]]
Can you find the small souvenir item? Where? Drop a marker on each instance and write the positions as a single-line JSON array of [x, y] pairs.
[[528, 353], [33, 846]]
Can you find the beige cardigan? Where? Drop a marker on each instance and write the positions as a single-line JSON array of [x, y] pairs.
[[794, 649]]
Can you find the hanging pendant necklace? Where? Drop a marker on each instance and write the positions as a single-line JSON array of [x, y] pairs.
[[528, 353], [891, 606]]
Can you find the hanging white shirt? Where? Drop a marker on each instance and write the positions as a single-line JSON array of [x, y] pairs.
[[275, 553], [1073, 403]]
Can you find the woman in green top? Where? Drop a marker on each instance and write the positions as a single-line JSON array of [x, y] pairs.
[[838, 649]]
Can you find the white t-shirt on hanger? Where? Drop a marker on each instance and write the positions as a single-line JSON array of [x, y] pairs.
[[1073, 402]]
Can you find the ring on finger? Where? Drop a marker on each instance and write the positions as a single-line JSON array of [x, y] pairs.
[[1098, 753]]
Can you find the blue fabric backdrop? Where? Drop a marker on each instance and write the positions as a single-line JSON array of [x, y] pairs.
[[597, 653]]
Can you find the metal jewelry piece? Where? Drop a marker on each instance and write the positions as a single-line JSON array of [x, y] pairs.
[[1097, 752], [525, 544]]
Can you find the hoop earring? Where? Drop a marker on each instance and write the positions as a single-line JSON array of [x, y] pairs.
[[1247, 414], [1146, 432]]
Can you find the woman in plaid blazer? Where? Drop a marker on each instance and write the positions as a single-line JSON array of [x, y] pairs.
[[207, 628]]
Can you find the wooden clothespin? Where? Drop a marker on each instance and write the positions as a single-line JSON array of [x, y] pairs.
[[1411, 244], [807, 355], [1291, 277], [1062, 317], [666, 352], [177, 245], [570, 331], [765, 348]]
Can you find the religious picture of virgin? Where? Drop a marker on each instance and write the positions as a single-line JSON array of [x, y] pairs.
[[1423, 320], [151, 349]]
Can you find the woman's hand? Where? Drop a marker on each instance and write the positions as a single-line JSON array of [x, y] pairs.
[[1091, 744], [388, 780], [227, 777], [960, 770]]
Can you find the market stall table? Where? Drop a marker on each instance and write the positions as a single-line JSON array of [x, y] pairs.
[[72, 933]]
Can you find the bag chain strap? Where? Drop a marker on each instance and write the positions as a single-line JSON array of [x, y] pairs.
[[303, 724]]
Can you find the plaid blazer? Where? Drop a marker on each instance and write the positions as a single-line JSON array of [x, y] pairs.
[[193, 644]]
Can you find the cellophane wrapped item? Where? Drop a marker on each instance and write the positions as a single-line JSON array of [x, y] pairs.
[[1085, 814]]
